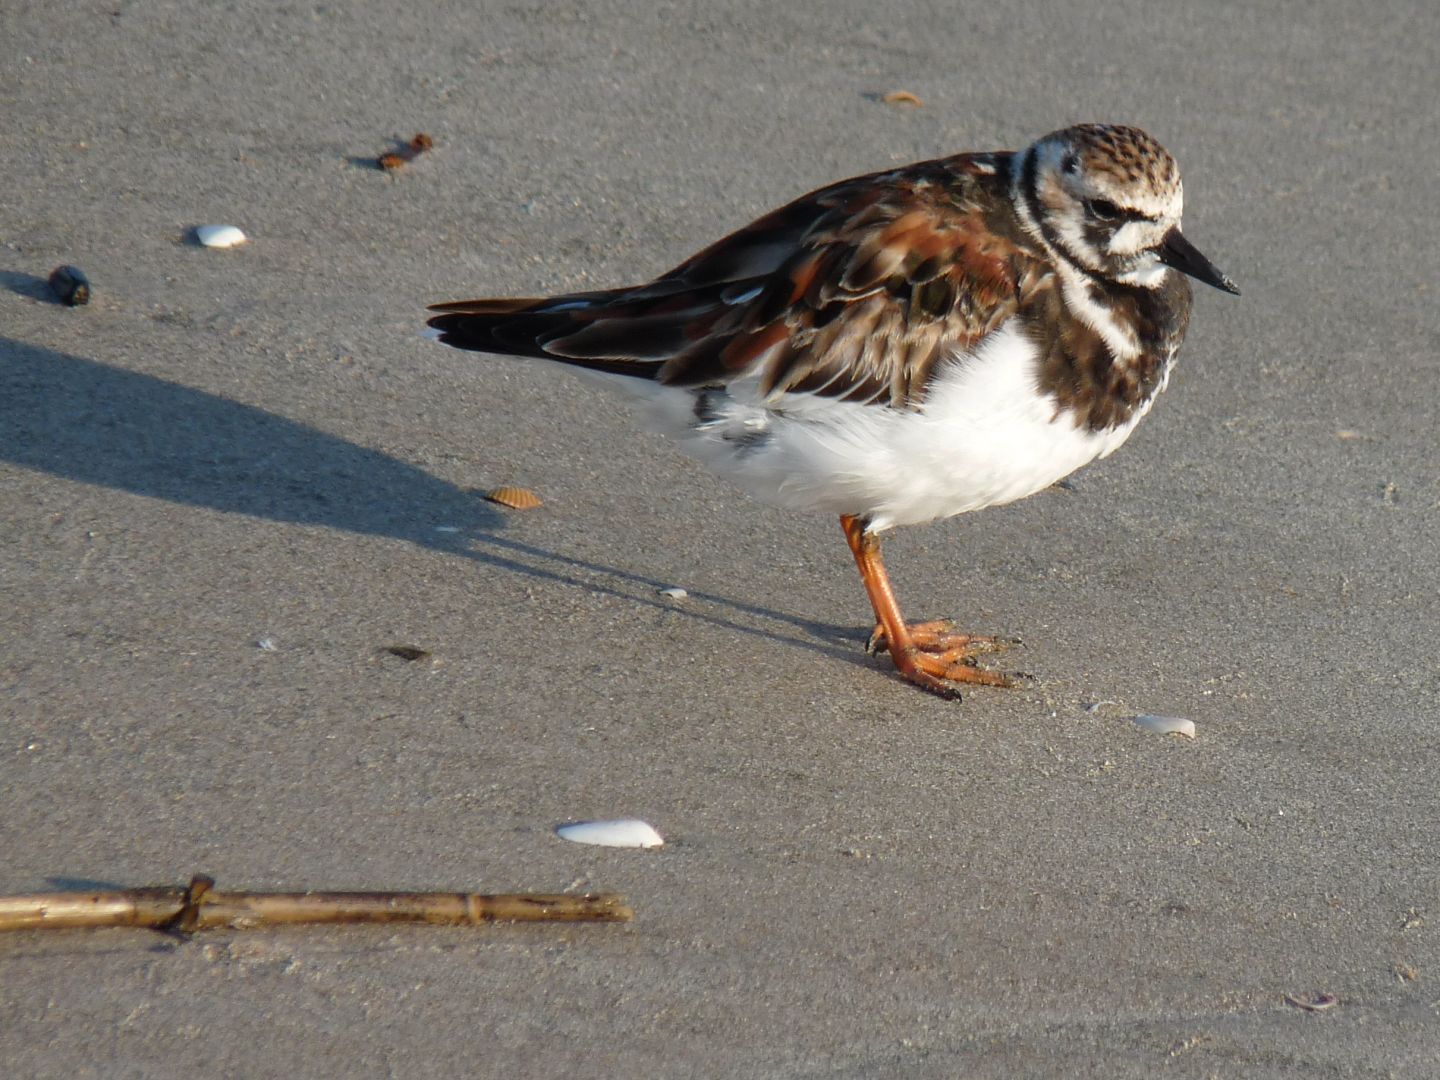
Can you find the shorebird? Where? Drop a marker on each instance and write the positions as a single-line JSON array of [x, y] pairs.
[[903, 346]]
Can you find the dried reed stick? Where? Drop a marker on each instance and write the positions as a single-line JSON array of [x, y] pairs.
[[201, 907]]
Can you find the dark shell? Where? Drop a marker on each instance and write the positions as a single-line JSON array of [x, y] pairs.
[[71, 285]]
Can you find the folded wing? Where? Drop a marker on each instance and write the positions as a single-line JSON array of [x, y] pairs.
[[853, 292]]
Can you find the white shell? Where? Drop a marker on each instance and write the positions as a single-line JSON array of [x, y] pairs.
[[674, 593], [1166, 725], [625, 832], [219, 236]]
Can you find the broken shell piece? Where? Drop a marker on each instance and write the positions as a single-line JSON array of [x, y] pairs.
[[624, 832], [408, 653], [674, 593], [1166, 725], [902, 97], [219, 236], [1312, 1001], [514, 497], [408, 152]]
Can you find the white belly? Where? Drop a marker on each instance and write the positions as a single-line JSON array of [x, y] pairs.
[[986, 436]]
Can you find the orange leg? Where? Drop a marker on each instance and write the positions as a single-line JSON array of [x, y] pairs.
[[932, 654]]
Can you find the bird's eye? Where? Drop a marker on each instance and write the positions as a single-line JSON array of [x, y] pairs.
[[1103, 209]]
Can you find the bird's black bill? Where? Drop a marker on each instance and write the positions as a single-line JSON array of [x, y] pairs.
[[1178, 252]]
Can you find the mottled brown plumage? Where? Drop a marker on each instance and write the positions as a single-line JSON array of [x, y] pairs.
[[854, 291]]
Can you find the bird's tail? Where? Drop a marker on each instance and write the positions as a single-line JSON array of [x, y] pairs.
[[621, 331]]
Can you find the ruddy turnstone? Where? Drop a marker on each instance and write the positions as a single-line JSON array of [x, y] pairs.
[[903, 346]]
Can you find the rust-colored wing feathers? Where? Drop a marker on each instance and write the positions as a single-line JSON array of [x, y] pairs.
[[853, 291]]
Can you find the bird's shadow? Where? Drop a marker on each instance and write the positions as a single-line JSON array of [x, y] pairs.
[[83, 420]]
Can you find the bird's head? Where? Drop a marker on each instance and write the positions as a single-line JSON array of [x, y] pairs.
[[1108, 200]]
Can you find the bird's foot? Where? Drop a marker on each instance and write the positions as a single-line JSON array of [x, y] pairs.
[[945, 677], [939, 636], [941, 659]]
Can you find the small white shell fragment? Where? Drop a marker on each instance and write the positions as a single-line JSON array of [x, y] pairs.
[[623, 832], [219, 236], [266, 644], [1166, 725], [674, 593], [447, 528]]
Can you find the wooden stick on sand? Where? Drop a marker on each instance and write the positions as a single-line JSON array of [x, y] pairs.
[[201, 907]]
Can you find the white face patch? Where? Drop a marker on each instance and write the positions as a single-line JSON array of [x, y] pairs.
[[1148, 275], [1136, 236]]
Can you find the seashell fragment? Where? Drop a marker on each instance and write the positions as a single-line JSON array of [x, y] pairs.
[[1166, 725], [674, 592], [516, 498], [219, 236], [406, 152], [408, 653], [70, 285], [623, 832], [902, 97], [1312, 1001]]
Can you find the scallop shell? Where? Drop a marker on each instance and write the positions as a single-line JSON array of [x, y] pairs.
[[219, 236], [623, 832], [1166, 725], [516, 498]]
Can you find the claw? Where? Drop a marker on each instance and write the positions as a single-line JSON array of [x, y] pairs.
[[876, 643], [937, 686]]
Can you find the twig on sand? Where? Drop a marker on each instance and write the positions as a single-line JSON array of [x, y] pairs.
[[200, 906]]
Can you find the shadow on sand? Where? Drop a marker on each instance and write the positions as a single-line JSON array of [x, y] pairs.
[[86, 421]]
